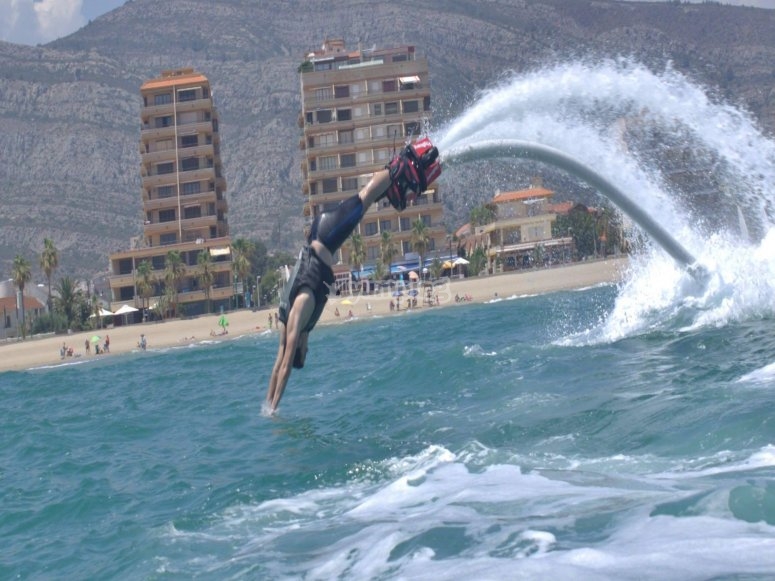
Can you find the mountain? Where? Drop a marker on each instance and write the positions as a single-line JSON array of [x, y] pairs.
[[69, 110]]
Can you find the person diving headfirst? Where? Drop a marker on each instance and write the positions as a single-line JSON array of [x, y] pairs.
[[306, 291]]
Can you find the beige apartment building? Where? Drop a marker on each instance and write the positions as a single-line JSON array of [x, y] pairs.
[[358, 108], [183, 194], [521, 236]]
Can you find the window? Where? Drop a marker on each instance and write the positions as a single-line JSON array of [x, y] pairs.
[[165, 239], [166, 191], [164, 99], [412, 128], [376, 108], [164, 168], [385, 225], [187, 95], [308, 118], [323, 94], [346, 136], [344, 114], [165, 121], [324, 116], [389, 86], [426, 104], [406, 246], [313, 188], [326, 163], [349, 184], [330, 206], [370, 229], [341, 91], [189, 141], [411, 106], [394, 131], [373, 253], [399, 58], [191, 188], [330, 185], [157, 262], [189, 163], [326, 66], [426, 220], [375, 86], [391, 108], [192, 212], [326, 139], [163, 145], [166, 216], [347, 160], [406, 224]]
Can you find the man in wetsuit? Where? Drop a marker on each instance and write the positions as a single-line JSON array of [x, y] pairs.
[[306, 291]]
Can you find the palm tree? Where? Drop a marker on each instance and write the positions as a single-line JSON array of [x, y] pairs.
[[206, 276], [241, 251], [21, 275], [387, 248], [67, 300], [420, 240], [49, 261], [144, 281], [173, 274], [358, 254]]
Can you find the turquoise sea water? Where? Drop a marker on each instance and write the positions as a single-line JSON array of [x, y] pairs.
[[504, 440]]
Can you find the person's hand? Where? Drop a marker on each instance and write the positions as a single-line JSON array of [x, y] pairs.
[[411, 170]]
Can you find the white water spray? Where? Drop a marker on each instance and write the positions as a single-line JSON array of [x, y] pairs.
[[586, 112]]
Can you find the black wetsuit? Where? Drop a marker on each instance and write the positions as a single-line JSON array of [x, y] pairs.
[[331, 229]]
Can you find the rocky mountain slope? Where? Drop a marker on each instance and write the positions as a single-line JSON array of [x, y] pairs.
[[69, 110]]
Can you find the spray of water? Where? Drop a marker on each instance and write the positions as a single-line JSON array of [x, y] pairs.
[[589, 112]]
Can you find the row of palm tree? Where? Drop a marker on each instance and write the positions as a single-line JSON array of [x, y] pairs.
[[420, 242]]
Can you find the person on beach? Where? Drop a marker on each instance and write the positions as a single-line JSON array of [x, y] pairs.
[[306, 291]]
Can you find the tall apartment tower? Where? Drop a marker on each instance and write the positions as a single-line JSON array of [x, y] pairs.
[[358, 108], [183, 193]]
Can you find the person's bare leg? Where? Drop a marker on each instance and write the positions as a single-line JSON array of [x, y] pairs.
[[300, 314], [377, 185], [276, 368]]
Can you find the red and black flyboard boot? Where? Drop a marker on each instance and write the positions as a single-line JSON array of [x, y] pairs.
[[411, 170]]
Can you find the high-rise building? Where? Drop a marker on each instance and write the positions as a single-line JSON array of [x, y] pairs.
[[358, 108], [183, 196]]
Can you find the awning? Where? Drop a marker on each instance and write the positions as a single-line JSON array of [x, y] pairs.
[[407, 80], [220, 251]]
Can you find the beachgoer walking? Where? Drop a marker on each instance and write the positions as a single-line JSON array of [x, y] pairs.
[[306, 292], [86, 345], [270, 321]]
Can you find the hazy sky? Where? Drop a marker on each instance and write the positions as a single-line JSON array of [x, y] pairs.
[[40, 21]]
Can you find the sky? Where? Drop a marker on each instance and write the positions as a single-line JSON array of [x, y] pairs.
[[40, 21]]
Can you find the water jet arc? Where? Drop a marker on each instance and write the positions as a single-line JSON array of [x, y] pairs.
[[499, 148]]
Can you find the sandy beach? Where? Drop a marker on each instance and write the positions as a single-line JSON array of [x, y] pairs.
[[45, 351]]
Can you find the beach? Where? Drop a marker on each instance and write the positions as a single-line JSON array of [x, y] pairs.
[[45, 351]]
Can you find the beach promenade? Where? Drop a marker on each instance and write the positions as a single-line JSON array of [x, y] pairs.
[[39, 352]]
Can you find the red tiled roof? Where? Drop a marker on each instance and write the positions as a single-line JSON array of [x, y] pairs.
[[522, 195], [9, 303], [562, 207]]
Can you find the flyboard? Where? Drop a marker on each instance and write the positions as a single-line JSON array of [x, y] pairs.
[[500, 148]]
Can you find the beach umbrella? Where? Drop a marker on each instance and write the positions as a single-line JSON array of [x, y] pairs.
[[413, 275], [413, 292], [347, 302], [95, 339], [398, 293]]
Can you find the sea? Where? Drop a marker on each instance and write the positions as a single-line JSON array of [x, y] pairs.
[[617, 432]]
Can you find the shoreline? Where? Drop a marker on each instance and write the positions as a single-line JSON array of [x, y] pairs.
[[43, 352]]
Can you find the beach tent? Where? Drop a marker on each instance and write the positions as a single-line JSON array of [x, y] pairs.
[[125, 310], [103, 313]]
